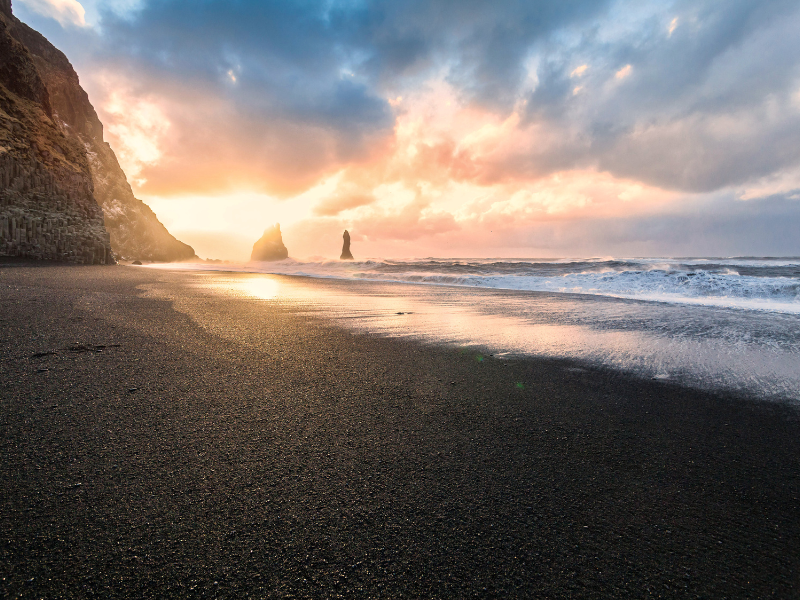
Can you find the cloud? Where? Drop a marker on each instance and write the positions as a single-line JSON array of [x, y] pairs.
[[785, 183], [391, 229], [578, 71], [294, 91], [722, 67], [431, 119], [212, 144], [347, 196], [66, 12], [136, 128], [695, 226], [413, 221], [672, 26], [623, 72]]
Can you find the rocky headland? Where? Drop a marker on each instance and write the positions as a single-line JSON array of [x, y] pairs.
[[47, 206], [270, 246], [63, 195]]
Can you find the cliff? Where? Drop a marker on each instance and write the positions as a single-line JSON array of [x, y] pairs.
[[47, 206], [40, 74], [270, 246]]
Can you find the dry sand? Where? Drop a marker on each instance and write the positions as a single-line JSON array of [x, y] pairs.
[[148, 454]]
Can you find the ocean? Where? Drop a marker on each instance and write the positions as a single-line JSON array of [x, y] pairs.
[[731, 324]]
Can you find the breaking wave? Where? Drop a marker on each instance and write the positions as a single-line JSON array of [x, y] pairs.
[[746, 283]]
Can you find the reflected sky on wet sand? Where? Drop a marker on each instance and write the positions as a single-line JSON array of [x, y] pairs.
[[711, 348]]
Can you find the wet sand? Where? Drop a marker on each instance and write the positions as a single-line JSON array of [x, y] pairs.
[[209, 447]]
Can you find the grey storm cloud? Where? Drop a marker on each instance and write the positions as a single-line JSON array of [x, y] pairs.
[[710, 226], [288, 59], [722, 226], [712, 105], [329, 61]]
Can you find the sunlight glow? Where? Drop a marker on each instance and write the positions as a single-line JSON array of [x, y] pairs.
[[135, 130], [263, 288]]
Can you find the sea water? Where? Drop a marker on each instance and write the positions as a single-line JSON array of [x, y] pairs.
[[731, 324]]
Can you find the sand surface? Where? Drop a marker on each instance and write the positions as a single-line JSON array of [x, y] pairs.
[[205, 447]]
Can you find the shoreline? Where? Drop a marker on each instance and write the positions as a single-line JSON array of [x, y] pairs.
[[633, 337], [242, 448], [335, 270]]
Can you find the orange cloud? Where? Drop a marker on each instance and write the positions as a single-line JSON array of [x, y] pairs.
[[179, 141], [457, 173], [348, 195], [412, 221], [451, 174]]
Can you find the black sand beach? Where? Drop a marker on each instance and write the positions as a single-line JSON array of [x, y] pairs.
[[146, 454]]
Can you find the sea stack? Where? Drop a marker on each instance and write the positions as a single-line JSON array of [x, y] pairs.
[[346, 255], [270, 246]]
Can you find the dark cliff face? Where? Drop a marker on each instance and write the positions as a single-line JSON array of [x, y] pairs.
[[18, 72], [47, 206], [134, 230]]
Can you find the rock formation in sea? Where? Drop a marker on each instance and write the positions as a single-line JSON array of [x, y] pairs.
[[270, 246], [346, 255], [55, 167]]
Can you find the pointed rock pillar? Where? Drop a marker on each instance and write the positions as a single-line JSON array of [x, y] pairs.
[[346, 255]]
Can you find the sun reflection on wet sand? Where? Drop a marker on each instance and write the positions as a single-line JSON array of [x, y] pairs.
[[707, 347], [626, 335], [264, 288]]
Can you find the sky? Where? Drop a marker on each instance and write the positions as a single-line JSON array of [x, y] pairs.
[[522, 128]]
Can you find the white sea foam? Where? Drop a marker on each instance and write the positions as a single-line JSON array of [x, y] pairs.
[[668, 336], [751, 283]]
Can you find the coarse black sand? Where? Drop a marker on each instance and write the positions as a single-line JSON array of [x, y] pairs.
[[148, 454]]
